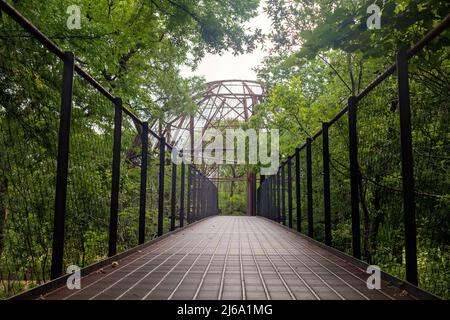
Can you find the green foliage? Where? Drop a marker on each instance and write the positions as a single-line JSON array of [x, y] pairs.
[[341, 25], [232, 190]]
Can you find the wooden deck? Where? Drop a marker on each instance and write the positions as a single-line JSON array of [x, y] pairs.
[[231, 258]]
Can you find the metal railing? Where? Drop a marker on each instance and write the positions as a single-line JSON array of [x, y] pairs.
[[113, 174], [331, 188]]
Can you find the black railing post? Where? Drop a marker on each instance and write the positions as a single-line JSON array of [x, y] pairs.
[[194, 196], [216, 203], [289, 178], [183, 173], [162, 164], [198, 212], [173, 197], [208, 199], [208, 196], [309, 188], [354, 176], [278, 195], [263, 199], [326, 183], [189, 195], [200, 196], [266, 198], [258, 199], [143, 191], [59, 217], [270, 203], [409, 202], [254, 194], [262, 204], [297, 190], [273, 198], [204, 195], [115, 179], [283, 195]]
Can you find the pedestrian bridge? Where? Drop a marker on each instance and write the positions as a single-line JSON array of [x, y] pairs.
[[107, 197]]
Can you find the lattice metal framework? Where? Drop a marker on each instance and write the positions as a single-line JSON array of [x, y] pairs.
[[224, 104]]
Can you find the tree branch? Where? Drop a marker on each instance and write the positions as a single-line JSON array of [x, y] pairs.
[[335, 71]]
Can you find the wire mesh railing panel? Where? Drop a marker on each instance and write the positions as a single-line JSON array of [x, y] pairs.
[[151, 212], [430, 120], [167, 190], [283, 193], [89, 176], [294, 194], [30, 99], [380, 184], [340, 186], [178, 197], [303, 191], [130, 178], [318, 202]]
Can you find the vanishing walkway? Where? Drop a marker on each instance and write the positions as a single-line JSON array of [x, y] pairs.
[[230, 258]]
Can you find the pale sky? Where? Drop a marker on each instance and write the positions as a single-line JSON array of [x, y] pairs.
[[227, 66]]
